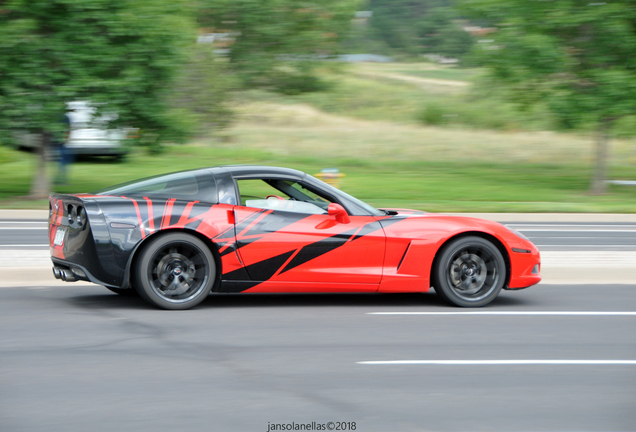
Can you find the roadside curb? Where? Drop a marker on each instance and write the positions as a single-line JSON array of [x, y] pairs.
[[42, 215], [34, 277], [31, 277]]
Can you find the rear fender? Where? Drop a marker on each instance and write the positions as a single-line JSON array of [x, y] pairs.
[[134, 256]]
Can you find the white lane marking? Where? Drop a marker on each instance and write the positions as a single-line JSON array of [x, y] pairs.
[[556, 313], [572, 238], [21, 222], [500, 362], [571, 225], [24, 245], [24, 228], [580, 246], [575, 231]]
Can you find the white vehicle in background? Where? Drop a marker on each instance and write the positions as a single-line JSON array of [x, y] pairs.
[[90, 135]]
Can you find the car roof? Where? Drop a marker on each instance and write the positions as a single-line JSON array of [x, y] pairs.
[[242, 170]]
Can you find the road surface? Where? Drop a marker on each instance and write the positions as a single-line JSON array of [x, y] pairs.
[[75, 357]]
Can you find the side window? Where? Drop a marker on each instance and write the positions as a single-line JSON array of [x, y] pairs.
[[251, 190], [184, 185], [279, 195]]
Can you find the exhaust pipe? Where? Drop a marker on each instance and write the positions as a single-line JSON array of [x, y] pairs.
[[64, 274], [68, 276]]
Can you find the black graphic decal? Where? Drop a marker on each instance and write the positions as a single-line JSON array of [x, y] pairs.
[[240, 226], [236, 275], [367, 229], [264, 270], [314, 250], [271, 223], [321, 247], [390, 221], [229, 249], [236, 286], [198, 210]]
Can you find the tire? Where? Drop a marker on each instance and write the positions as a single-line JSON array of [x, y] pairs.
[[470, 272], [175, 271], [128, 292]]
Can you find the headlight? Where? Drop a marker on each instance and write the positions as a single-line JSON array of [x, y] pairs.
[[517, 233]]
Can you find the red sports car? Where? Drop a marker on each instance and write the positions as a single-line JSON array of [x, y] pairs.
[[177, 237]]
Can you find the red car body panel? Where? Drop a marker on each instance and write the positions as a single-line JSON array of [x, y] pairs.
[[262, 250], [316, 249], [413, 244]]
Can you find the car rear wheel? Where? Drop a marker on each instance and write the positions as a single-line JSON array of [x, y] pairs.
[[470, 272], [175, 271]]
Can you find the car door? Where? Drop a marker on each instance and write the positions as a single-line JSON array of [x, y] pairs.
[[289, 240]]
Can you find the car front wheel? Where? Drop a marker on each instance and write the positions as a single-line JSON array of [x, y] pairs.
[[470, 272], [175, 271]]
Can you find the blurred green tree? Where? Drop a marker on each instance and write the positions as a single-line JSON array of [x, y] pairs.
[[199, 98], [579, 56], [122, 53], [440, 34], [418, 26], [276, 41]]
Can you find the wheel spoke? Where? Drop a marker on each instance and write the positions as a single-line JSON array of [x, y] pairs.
[[465, 285], [178, 271], [472, 271], [175, 271]]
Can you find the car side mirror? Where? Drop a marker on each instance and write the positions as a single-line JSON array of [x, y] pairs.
[[339, 212]]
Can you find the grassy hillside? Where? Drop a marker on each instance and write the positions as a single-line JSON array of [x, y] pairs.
[[367, 124]]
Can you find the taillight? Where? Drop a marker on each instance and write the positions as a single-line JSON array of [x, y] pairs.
[[71, 213], [81, 218], [76, 215]]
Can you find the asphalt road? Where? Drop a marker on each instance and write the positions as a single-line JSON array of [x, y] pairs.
[[569, 236], [76, 358], [30, 234]]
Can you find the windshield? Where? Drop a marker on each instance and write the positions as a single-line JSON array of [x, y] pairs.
[[361, 204]]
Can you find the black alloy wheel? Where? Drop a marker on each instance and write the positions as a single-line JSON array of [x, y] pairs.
[[175, 271], [470, 272]]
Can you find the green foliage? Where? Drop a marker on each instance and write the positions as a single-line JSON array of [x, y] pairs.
[[200, 95], [625, 127], [396, 22], [355, 91], [579, 57], [122, 53], [420, 184], [276, 40], [7, 155], [480, 112], [411, 28], [576, 56], [433, 115], [362, 39], [440, 34], [295, 83]]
